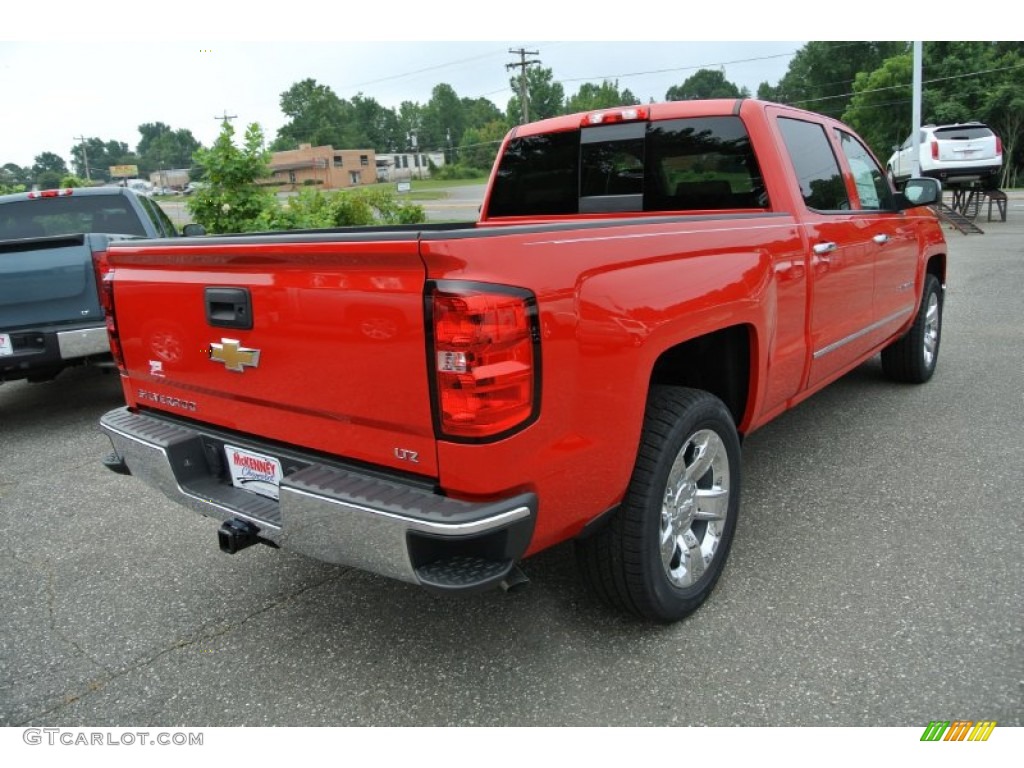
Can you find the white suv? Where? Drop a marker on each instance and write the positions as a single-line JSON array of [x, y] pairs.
[[954, 154]]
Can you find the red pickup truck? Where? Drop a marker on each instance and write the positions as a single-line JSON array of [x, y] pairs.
[[645, 286]]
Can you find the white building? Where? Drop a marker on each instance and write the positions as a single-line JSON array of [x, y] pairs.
[[402, 166]]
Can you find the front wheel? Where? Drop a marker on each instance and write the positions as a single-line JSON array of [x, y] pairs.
[[912, 358], [665, 547]]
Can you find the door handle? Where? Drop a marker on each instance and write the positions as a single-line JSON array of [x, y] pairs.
[[822, 248], [881, 239]]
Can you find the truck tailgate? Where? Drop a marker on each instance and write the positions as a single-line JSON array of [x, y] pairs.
[[320, 345], [47, 281]]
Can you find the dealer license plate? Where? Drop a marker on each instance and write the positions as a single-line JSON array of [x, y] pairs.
[[6, 348], [254, 472]]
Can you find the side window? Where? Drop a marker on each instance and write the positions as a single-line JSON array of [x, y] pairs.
[[817, 169], [872, 187], [152, 209]]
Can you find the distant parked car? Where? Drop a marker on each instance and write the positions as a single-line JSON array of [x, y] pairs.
[[957, 154]]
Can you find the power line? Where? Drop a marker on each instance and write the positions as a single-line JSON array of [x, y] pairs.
[[678, 69], [419, 71]]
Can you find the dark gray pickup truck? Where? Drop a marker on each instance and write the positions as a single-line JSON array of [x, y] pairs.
[[50, 315]]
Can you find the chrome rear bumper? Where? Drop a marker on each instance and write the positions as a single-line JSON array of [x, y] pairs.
[[334, 514]]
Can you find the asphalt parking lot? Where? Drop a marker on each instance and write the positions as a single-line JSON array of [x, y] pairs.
[[875, 579]]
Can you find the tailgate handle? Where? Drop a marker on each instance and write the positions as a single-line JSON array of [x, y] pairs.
[[229, 308]]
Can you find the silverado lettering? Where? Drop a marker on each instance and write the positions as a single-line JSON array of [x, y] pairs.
[[644, 286]]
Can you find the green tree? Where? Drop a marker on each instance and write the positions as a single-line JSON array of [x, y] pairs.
[[377, 126], [317, 116], [410, 117], [14, 178], [47, 171], [478, 113], [480, 146], [881, 106], [101, 155], [162, 148], [821, 75], [443, 119], [1004, 113], [591, 96], [705, 84], [545, 97], [230, 199]]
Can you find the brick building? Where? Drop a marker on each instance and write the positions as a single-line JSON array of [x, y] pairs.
[[326, 167]]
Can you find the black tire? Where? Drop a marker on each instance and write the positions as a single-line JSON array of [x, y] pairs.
[[912, 358], [643, 560]]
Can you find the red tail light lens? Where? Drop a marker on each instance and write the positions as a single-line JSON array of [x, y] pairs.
[[999, 146], [935, 150], [485, 357], [105, 286]]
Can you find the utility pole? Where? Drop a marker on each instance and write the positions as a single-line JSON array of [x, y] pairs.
[[85, 157], [522, 64], [915, 142]]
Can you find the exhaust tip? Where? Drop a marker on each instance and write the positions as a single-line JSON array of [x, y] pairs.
[[515, 581]]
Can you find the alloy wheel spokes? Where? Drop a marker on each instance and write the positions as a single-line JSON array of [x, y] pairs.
[[694, 508]]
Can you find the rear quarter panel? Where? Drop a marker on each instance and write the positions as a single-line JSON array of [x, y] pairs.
[[612, 297]]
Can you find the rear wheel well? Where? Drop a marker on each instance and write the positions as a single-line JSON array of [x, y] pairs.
[[937, 266], [718, 363]]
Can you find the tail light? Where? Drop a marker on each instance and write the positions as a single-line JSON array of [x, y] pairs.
[[105, 286], [935, 150], [999, 146], [486, 359]]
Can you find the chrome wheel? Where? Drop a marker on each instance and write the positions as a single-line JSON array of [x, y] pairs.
[[931, 330], [662, 551], [695, 508]]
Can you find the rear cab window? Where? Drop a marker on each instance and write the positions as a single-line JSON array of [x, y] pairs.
[[71, 215], [678, 165]]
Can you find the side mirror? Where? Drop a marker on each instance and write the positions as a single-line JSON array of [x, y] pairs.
[[193, 230], [919, 192]]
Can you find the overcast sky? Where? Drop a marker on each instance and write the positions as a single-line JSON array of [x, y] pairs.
[[104, 72], [113, 90]]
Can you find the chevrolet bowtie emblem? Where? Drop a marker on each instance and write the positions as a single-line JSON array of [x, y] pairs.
[[234, 356]]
